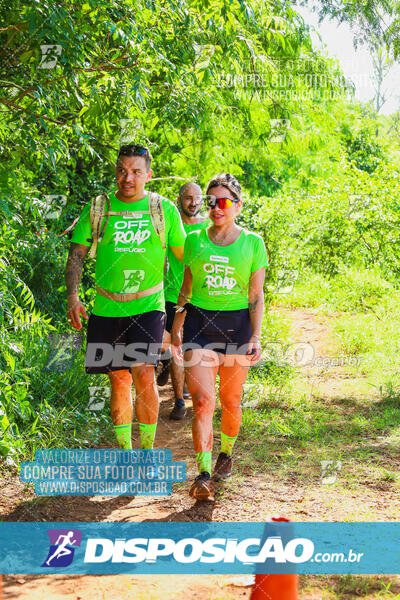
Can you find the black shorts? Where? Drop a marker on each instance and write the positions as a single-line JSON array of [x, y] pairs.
[[225, 331], [170, 312], [115, 343]]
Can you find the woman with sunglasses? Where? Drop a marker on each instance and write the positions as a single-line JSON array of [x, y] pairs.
[[221, 303]]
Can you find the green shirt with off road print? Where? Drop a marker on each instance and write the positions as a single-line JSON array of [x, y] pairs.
[[221, 274], [130, 257]]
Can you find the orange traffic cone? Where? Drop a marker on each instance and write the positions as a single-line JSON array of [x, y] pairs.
[[275, 587]]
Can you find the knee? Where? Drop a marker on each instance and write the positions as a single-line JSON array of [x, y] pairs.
[[230, 402], [202, 403], [120, 379], [143, 376]]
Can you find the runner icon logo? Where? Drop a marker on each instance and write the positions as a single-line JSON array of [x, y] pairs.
[[50, 54], [98, 396], [133, 277], [61, 551]]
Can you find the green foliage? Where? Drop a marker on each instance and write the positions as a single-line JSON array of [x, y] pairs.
[[351, 290], [364, 150], [185, 76], [349, 219], [209, 86]]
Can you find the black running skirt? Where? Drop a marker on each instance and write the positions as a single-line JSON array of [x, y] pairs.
[[226, 331]]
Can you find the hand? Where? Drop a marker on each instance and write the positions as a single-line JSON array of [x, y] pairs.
[[254, 348], [75, 309], [176, 344]]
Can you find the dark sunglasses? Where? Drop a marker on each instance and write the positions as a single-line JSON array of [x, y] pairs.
[[222, 203], [136, 149]]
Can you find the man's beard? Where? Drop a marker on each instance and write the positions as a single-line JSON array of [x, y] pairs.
[[189, 214]]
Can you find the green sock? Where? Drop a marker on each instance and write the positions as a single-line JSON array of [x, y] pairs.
[[203, 460], [227, 443], [147, 435], [123, 434]]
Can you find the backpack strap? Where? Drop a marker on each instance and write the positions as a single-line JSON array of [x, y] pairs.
[[157, 216], [97, 214]]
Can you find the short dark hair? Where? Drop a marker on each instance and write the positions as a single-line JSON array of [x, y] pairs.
[[136, 150], [229, 182]]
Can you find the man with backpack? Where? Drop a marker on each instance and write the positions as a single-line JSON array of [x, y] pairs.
[[131, 231]]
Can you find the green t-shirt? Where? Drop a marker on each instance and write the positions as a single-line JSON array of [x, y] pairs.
[[130, 256], [175, 271], [221, 274]]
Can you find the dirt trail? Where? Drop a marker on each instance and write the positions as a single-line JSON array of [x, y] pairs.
[[249, 496], [325, 368]]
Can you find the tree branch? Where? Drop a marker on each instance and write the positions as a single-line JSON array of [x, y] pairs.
[[19, 107]]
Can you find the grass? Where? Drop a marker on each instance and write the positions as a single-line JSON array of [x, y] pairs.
[[290, 426], [366, 322], [50, 409], [352, 290], [292, 436], [349, 587]]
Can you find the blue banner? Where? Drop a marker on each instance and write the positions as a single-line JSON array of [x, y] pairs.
[[200, 548]]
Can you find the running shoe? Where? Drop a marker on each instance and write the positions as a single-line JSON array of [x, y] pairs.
[[223, 466], [202, 487], [179, 411], [163, 375]]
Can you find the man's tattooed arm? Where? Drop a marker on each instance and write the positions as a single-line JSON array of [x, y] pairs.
[[73, 273]]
